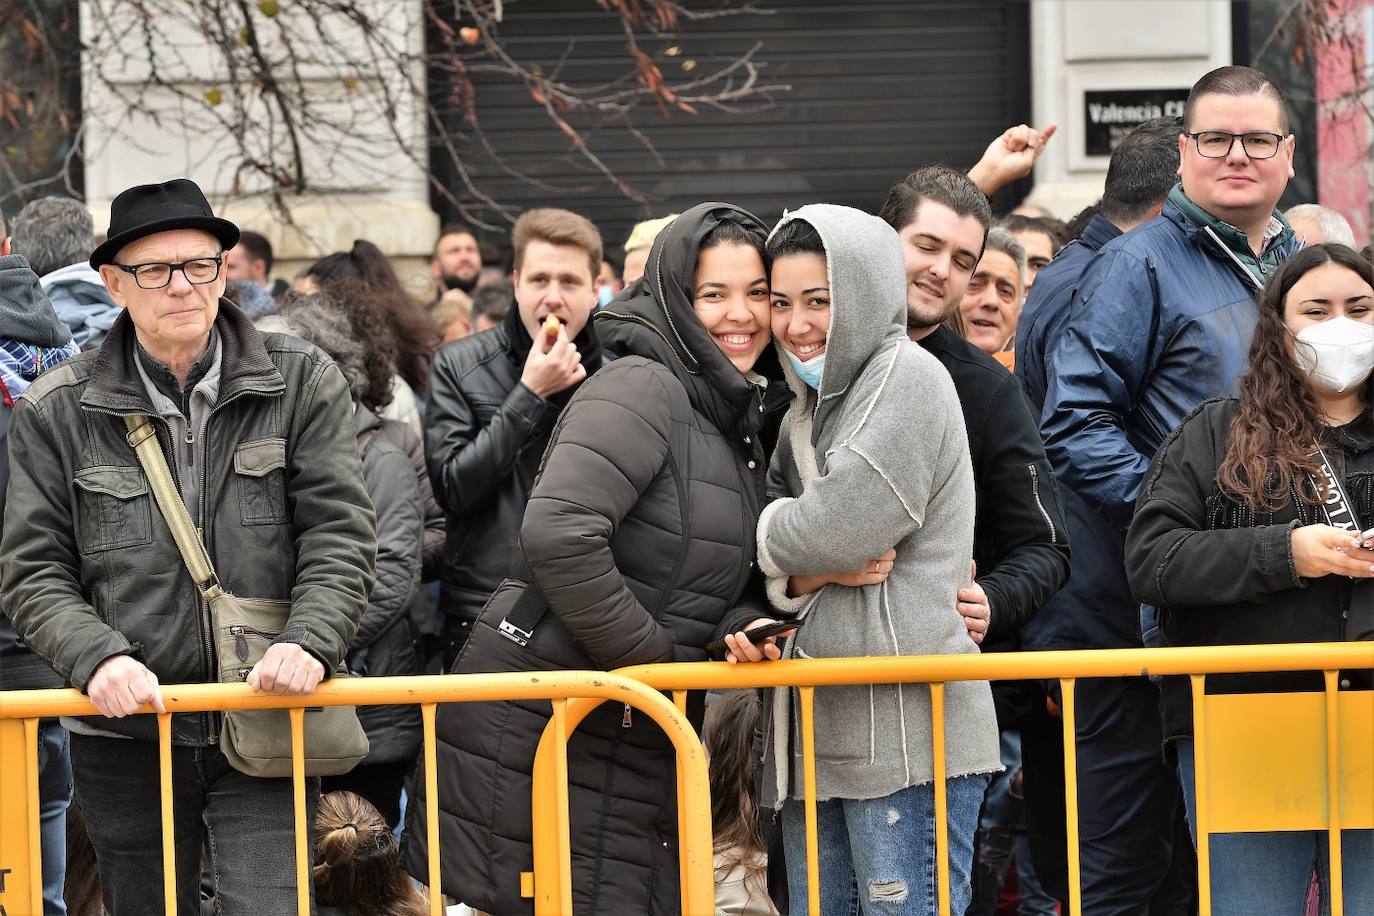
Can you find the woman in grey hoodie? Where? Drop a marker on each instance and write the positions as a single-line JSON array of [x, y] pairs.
[[872, 455]]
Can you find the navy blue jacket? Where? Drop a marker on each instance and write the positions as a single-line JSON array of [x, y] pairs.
[[1047, 306], [1058, 624], [1160, 322]]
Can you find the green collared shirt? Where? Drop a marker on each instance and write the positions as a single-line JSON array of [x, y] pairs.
[[1237, 242]]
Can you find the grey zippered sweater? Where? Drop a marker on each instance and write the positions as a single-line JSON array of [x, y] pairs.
[[881, 460]]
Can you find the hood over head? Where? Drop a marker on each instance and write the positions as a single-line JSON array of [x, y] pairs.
[[867, 295], [654, 317]]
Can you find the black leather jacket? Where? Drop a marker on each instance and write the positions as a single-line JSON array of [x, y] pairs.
[[485, 434]]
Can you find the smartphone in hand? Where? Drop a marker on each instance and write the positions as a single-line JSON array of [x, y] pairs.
[[759, 634]]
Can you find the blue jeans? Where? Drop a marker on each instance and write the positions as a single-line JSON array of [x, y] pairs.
[[54, 795], [244, 826], [886, 846], [1257, 874]]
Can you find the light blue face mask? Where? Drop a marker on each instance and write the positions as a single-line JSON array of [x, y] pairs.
[[810, 371], [604, 296]]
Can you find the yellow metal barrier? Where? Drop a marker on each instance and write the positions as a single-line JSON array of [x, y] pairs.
[[1318, 747], [1300, 789], [20, 871]]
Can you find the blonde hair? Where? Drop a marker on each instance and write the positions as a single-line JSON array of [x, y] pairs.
[[453, 305], [557, 227], [643, 234]]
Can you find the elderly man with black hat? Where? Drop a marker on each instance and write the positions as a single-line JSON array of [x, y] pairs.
[[257, 433]]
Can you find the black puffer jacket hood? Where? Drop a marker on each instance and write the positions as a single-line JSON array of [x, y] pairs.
[[654, 318]]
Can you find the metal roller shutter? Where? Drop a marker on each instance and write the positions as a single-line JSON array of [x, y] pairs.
[[877, 88]]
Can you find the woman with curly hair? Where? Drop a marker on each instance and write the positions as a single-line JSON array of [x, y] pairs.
[[411, 328], [1248, 531], [369, 326]]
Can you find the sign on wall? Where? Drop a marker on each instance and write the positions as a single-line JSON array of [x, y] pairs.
[[1110, 114]]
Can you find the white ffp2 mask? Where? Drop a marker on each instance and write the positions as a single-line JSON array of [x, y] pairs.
[[1336, 354]]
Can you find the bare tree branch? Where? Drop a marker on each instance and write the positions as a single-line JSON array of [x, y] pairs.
[[309, 96]]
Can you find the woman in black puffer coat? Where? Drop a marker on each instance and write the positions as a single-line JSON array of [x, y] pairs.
[[640, 538]]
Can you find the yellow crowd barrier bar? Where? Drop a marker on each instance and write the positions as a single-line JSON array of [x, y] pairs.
[[19, 822], [1333, 793], [937, 744], [1068, 667], [552, 885], [813, 857], [680, 702], [431, 750], [304, 841], [577, 693], [169, 853], [1202, 773], [1069, 710], [21, 884]]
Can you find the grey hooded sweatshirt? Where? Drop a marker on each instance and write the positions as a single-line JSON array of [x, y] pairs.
[[879, 460]]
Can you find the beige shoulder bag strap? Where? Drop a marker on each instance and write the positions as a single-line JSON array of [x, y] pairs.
[[143, 437]]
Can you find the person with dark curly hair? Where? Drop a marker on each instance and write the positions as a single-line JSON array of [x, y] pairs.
[[411, 328], [1248, 531], [368, 326]]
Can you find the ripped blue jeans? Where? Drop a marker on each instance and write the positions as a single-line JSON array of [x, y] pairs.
[[882, 851]]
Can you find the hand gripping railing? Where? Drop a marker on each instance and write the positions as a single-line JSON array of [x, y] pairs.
[[21, 710], [1300, 797]]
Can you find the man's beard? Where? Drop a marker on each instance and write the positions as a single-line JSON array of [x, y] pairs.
[[467, 285], [926, 318]]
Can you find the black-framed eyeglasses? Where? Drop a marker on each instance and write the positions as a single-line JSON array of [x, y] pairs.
[[197, 271], [1217, 144]]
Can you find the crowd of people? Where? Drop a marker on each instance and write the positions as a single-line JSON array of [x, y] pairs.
[[923, 430]]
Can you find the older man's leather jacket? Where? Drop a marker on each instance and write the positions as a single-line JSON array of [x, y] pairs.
[[88, 567]]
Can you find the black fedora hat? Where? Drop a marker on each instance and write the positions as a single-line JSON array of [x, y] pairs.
[[149, 208]]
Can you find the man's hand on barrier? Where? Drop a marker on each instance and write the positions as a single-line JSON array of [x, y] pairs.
[[1321, 550], [974, 608], [286, 668], [122, 684]]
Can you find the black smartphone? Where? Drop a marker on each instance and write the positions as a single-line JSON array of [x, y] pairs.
[[759, 634]]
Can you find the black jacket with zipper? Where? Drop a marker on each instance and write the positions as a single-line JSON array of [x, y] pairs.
[[89, 566], [1020, 544], [485, 432], [1222, 573]]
